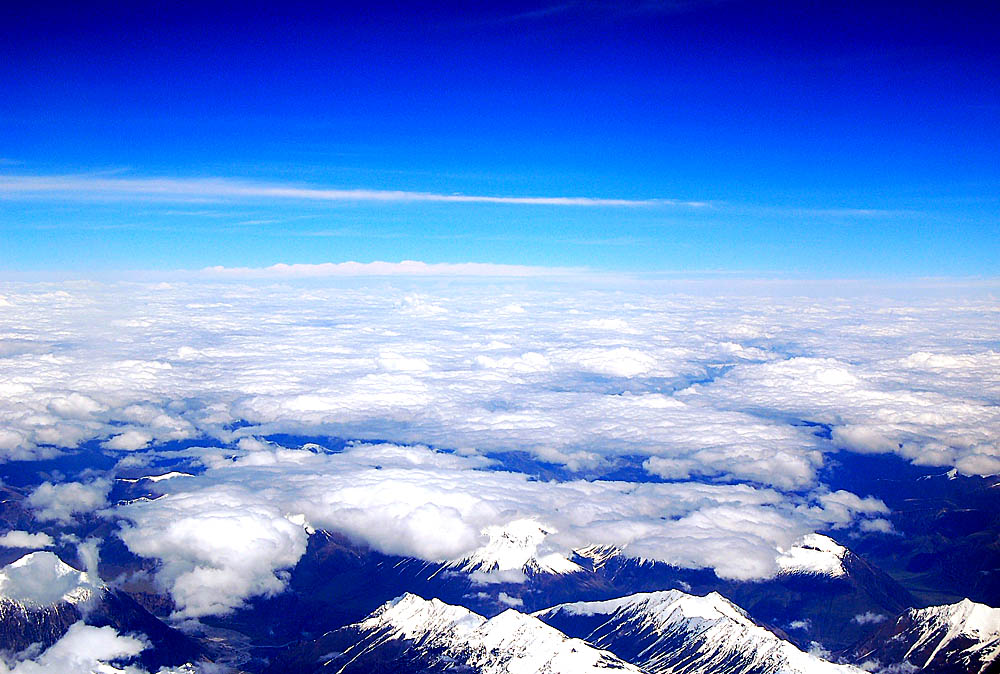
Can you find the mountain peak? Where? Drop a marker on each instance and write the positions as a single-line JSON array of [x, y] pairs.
[[964, 636], [814, 554], [413, 617], [42, 579], [663, 631], [515, 549], [965, 617], [430, 635]]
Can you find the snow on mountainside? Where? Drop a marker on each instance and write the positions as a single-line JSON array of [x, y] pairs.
[[42, 597], [428, 621], [42, 579], [676, 632], [411, 634], [814, 554], [155, 478], [960, 637], [514, 551], [598, 555]]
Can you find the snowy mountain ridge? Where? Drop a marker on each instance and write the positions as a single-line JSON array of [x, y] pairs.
[[433, 633], [514, 551], [814, 554], [964, 636], [672, 631]]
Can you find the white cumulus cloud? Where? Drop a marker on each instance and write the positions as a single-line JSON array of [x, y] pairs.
[[61, 502], [24, 539], [82, 650]]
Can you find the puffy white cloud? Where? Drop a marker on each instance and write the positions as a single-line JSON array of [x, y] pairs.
[[23, 539], [979, 464], [620, 362], [62, 501], [129, 440], [227, 533], [218, 546], [75, 406], [82, 650], [839, 508], [869, 618], [867, 411], [508, 600], [879, 525]]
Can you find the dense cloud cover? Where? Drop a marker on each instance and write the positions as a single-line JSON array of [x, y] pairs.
[[721, 403], [227, 533]]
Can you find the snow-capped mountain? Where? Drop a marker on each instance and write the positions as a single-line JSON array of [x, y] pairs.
[[41, 580], [676, 632], [514, 551], [954, 638], [596, 556], [820, 587], [41, 597], [411, 634], [155, 478], [814, 554]]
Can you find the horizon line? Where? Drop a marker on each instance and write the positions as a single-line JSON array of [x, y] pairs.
[[283, 271]]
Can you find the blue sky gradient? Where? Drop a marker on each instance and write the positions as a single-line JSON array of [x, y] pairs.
[[817, 139]]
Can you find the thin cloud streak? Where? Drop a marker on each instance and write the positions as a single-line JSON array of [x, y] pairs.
[[91, 187], [379, 268]]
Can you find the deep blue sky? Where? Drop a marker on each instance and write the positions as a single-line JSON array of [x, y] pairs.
[[821, 138]]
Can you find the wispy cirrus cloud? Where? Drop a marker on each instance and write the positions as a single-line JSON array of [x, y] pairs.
[[114, 187], [228, 189]]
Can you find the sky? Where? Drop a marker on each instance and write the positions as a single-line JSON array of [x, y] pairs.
[[770, 138]]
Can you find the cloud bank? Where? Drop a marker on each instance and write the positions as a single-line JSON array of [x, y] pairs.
[[714, 387], [725, 405], [229, 532]]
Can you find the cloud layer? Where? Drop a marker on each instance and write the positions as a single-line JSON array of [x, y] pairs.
[[725, 405], [703, 386], [228, 533]]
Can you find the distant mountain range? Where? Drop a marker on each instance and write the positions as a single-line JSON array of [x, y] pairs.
[[669, 631], [518, 604]]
